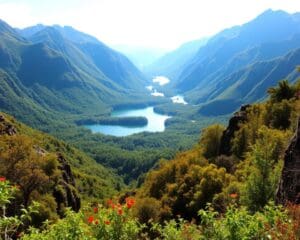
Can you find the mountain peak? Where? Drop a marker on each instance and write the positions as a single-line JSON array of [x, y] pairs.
[[74, 35], [48, 33], [271, 14], [4, 27]]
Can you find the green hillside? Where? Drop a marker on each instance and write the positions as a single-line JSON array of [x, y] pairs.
[[74, 79], [49, 171]]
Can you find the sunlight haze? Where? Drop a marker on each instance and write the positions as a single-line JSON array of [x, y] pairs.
[[154, 24]]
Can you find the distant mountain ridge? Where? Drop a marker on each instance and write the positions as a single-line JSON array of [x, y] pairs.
[[172, 63], [208, 77], [113, 64], [48, 70]]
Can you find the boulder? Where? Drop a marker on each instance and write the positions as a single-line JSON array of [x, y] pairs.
[[233, 126], [65, 192], [289, 185], [6, 127]]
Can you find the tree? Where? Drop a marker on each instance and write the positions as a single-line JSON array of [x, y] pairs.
[[25, 166], [247, 134], [283, 91], [211, 139], [265, 165]]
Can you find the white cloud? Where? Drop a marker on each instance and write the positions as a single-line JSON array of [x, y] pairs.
[[16, 14]]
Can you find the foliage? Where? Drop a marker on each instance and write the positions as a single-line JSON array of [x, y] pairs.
[[238, 223], [93, 180], [24, 166], [284, 91], [71, 227], [265, 167], [112, 223], [10, 225], [247, 134], [147, 210], [210, 140], [115, 222], [184, 185]]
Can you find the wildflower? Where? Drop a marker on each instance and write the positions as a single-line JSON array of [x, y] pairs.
[[95, 210], [90, 219], [107, 222], [97, 222], [120, 211], [233, 195], [2, 179], [129, 202]]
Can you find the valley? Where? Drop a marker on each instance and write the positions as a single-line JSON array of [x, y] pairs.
[[144, 142]]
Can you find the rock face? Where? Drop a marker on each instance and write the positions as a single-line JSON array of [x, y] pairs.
[[289, 186], [233, 126], [65, 192], [6, 128]]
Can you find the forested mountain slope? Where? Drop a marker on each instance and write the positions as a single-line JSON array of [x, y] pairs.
[[50, 171], [239, 59], [48, 73]]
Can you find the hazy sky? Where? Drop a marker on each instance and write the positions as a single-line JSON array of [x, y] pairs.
[[152, 23]]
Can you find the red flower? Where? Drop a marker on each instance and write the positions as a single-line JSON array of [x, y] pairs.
[[2, 179], [233, 195], [129, 202], [90, 219], [107, 222], [120, 211], [95, 210], [96, 222], [111, 204]]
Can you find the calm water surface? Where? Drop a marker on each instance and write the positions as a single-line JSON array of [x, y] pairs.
[[156, 123]]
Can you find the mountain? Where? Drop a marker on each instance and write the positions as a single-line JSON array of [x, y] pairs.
[[50, 71], [172, 63], [250, 83], [90, 52], [270, 35]]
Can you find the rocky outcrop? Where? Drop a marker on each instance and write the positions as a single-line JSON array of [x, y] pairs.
[[6, 127], [289, 186], [233, 126], [65, 192]]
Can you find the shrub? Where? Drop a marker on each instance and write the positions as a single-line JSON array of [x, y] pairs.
[[210, 140]]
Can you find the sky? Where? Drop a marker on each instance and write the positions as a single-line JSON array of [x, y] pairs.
[[159, 24]]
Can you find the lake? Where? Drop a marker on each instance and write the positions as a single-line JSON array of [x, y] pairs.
[[156, 123]]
